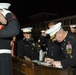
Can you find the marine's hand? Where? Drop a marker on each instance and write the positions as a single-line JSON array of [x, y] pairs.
[[57, 64], [27, 58], [49, 60]]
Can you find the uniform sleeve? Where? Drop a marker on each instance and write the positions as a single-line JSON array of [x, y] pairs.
[[70, 62], [12, 28], [20, 50]]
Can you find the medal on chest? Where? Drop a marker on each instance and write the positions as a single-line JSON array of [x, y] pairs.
[[69, 49]]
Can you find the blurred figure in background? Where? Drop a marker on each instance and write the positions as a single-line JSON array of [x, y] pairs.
[[73, 28], [14, 46], [50, 24], [42, 41], [42, 45]]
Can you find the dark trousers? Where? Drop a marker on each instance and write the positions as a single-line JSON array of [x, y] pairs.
[[74, 71], [5, 64]]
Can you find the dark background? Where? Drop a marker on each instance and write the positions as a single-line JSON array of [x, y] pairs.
[[25, 8]]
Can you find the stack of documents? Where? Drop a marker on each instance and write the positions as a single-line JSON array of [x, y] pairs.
[[41, 63]]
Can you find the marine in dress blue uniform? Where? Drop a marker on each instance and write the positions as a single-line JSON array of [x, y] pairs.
[[54, 51], [73, 28], [42, 41], [68, 46], [27, 46], [10, 29]]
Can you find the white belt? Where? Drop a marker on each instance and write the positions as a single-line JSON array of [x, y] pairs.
[[5, 51]]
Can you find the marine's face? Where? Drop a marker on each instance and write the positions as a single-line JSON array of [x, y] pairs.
[[73, 30], [2, 18], [43, 33], [27, 36], [59, 37]]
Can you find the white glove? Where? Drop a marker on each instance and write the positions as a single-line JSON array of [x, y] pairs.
[[4, 12]]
